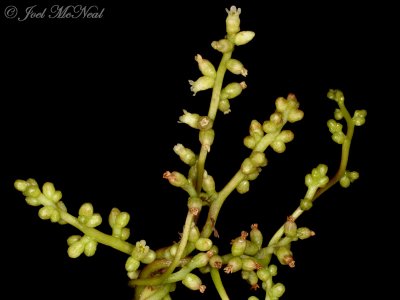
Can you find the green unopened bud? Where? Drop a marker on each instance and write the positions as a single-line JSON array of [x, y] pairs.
[[122, 219], [149, 257], [134, 275], [20, 185], [336, 95], [112, 216], [359, 117], [306, 204], [234, 265], [232, 90], [76, 249], [215, 261], [236, 67], [348, 177], [277, 290], [258, 158], [73, 238], [190, 119], [199, 260], [290, 227], [285, 256], [273, 269], [250, 264], [206, 138], [185, 154], [86, 210], [263, 274], [278, 146], [193, 282], [33, 201], [208, 183], [45, 212], [270, 127], [304, 233], [203, 244], [247, 166], [251, 248], [205, 66], [48, 190], [90, 248], [222, 45], [224, 106], [175, 178], [286, 136], [233, 20], [250, 142], [256, 235], [243, 37], [338, 115], [281, 104], [243, 187], [201, 84], [194, 234], [239, 244], [55, 216], [32, 191], [195, 204], [318, 177], [125, 233], [132, 264], [295, 115], [94, 220], [252, 298]]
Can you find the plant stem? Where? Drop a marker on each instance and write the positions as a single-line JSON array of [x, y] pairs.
[[212, 113], [216, 278]]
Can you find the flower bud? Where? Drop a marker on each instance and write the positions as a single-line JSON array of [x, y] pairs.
[[232, 90], [185, 154], [278, 146], [125, 233], [201, 84], [72, 239], [32, 201], [277, 290], [233, 20], [239, 244], [222, 45], [94, 220], [205, 122], [304, 233], [86, 210], [251, 248], [45, 212], [224, 106], [243, 187], [256, 235], [175, 178], [285, 256], [190, 119], [112, 216], [199, 260], [359, 117], [273, 269], [206, 138], [203, 244], [20, 185], [90, 248], [336, 95], [338, 115], [250, 264], [55, 216], [236, 67], [243, 37], [295, 115], [48, 190], [264, 274], [306, 204], [247, 166], [133, 275], [75, 249], [215, 261], [149, 257], [32, 191], [258, 158], [234, 265], [193, 282], [122, 219], [205, 66], [208, 183], [290, 227]]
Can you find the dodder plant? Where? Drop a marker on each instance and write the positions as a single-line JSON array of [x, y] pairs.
[[154, 273]]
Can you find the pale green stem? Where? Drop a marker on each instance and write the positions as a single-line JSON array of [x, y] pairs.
[[212, 113], [216, 278], [177, 258]]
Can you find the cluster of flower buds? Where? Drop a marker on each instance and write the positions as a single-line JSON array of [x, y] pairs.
[[81, 244], [206, 81], [49, 197], [348, 177], [88, 217], [141, 254], [118, 221], [313, 181]]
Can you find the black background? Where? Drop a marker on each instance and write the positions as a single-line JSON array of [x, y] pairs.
[[92, 106]]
